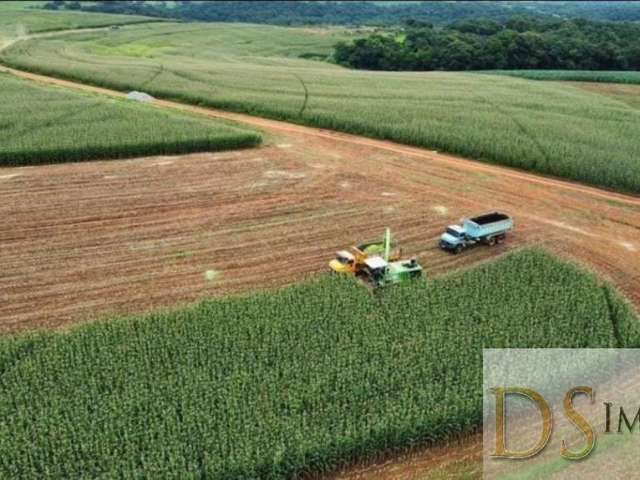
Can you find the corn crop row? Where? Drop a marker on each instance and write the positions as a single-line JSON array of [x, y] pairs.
[[49, 125]]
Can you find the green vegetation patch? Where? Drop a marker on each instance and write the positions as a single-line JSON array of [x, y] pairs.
[[279, 383], [481, 44], [41, 124], [360, 13], [545, 127], [573, 75]]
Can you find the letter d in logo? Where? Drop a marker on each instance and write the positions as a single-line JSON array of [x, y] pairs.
[[501, 441]]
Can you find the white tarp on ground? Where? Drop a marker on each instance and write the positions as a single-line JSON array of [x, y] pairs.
[[139, 96]]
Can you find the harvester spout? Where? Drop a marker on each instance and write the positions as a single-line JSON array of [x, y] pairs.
[[387, 244]]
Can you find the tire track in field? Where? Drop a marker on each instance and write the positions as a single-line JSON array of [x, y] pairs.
[[522, 128], [155, 75], [306, 94]]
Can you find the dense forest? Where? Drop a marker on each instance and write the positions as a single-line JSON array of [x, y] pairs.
[[483, 44], [356, 13]]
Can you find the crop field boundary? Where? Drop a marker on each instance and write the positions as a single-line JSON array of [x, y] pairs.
[[460, 453], [625, 77]]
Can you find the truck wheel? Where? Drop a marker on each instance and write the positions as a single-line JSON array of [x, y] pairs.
[[491, 242], [457, 250], [501, 238]]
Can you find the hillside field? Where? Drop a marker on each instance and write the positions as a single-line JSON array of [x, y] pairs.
[[70, 126], [18, 19], [546, 127], [286, 382]]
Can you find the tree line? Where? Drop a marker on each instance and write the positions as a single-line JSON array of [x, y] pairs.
[[355, 13], [521, 42]]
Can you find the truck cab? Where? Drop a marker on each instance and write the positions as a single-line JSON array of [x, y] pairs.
[[453, 238], [489, 229], [375, 269]]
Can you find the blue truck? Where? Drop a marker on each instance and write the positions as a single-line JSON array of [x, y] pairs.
[[488, 229]]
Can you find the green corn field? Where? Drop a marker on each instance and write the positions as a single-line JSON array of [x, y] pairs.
[[573, 75], [41, 124], [280, 383], [545, 127]]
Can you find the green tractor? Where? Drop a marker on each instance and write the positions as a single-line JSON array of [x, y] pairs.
[[380, 272]]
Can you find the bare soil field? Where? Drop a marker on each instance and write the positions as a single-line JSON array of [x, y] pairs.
[[82, 241]]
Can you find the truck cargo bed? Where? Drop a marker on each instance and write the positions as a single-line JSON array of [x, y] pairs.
[[487, 226], [489, 218]]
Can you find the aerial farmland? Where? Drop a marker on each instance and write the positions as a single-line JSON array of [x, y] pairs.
[[229, 254]]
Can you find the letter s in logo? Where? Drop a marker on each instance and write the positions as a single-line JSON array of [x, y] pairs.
[[580, 422]]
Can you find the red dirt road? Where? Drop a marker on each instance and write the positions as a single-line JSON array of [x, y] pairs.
[[85, 240]]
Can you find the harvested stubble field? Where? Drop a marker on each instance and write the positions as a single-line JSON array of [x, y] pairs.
[[88, 240]]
